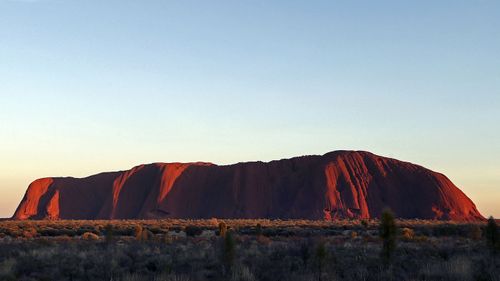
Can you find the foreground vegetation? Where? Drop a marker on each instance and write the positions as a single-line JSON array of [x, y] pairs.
[[248, 250]]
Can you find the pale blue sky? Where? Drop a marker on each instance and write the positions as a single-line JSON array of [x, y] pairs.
[[88, 86]]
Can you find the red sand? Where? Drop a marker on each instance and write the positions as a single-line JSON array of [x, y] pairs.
[[340, 184]]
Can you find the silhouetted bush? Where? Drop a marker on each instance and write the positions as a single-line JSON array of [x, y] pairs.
[[192, 230], [491, 234], [258, 230], [387, 232], [228, 252], [108, 233]]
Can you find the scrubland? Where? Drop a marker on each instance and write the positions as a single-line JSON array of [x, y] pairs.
[[273, 250]]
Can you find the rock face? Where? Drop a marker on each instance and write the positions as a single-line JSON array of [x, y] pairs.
[[340, 184]]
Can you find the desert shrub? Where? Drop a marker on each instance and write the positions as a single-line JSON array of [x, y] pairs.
[[119, 230], [420, 238], [294, 257], [108, 233], [157, 229], [63, 238], [446, 230], [48, 232], [30, 232], [81, 230], [214, 222], [271, 232], [138, 232], [387, 232], [90, 236], [97, 229], [147, 235], [222, 229], [166, 238], [407, 233], [68, 232], [192, 230], [258, 229]]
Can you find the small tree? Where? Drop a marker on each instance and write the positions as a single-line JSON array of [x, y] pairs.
[[388, 233], [108, 232], [491, 234], [228, 252]]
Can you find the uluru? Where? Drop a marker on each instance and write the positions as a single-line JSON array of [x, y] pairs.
[[336, 185]]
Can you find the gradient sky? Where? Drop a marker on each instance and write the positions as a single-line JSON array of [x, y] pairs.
[[90, 86]]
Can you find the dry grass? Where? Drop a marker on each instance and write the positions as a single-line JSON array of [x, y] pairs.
[[277, 250]]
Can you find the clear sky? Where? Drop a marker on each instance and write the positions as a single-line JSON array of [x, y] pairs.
[[89, 86]]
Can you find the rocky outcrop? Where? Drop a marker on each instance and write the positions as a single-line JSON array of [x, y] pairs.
[[340, 184]]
